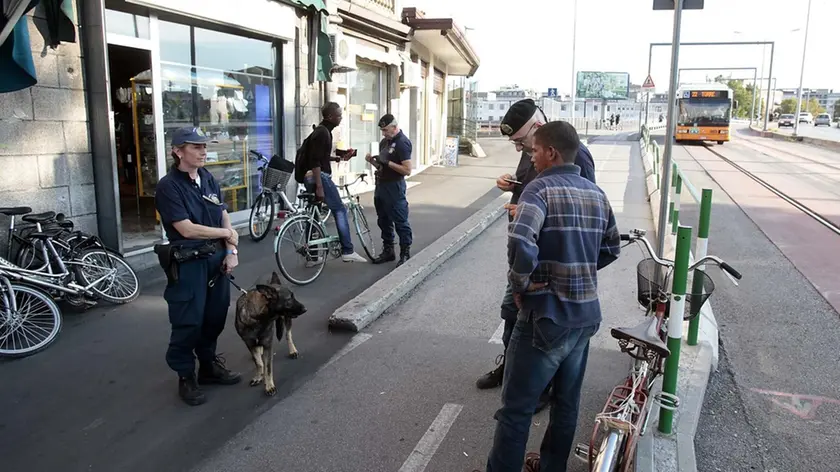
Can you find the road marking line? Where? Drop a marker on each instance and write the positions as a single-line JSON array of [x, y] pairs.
[[428, 444], [355, 342], [497, 336]]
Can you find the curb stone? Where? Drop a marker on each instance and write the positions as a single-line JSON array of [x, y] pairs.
[[369, 305], [822, 143], [675, 452]]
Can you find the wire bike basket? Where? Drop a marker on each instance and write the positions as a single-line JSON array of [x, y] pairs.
[[654, 279], [277, 173]]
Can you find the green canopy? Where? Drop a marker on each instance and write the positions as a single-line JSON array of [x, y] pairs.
[[324, 62]]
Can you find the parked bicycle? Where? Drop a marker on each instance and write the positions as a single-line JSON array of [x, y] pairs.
[[310, 243], [625, 415], [29, 319], [273, 178], [73, 267]]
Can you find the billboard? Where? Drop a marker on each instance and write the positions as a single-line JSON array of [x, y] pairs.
[[603, 85]]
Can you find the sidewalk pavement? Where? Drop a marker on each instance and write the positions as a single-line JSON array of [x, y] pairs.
[[401, 395]]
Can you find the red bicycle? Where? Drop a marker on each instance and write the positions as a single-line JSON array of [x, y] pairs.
[[624, 417]]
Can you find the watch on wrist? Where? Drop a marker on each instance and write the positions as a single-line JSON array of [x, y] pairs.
[[233, 251]]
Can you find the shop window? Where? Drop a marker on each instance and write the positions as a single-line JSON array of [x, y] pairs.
[[126, 24], [225, 85], [365, 105]]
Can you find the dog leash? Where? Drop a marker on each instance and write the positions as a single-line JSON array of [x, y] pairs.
[[230, 278]]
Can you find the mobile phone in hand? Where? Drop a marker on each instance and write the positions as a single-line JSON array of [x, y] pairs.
[[511, 181]]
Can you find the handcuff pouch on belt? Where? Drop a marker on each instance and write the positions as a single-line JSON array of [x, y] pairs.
[[170, 256]]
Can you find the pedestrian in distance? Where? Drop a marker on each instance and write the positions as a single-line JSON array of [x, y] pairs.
[[202, 245], [393, 165], [564, 231], [519, 124]]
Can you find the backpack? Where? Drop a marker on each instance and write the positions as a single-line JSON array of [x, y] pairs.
[[302, 159]]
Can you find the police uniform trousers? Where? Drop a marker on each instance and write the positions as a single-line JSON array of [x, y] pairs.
[[392, 211], [197, 313]]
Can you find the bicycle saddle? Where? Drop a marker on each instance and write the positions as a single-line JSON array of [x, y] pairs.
[[308, 196], [39, 217], [15, 211], [643, 334]]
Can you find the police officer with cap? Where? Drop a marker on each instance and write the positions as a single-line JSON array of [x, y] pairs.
[[519, 124], [393, 164], [203, 245]]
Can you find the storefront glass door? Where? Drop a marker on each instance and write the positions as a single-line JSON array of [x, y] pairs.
[[365, 107], [225, 85]]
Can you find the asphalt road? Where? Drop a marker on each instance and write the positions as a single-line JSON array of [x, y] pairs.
[[405, 396], [103, 399], [831, 133], [775, 402]]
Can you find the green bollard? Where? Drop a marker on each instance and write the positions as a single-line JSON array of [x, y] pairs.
[[675, 324], [700, 252], [676, 203]]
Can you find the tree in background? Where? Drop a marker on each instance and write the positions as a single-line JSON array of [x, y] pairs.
[[788, 106], [743, 94], [837, 110]]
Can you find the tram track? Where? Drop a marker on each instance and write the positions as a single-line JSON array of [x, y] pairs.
[[833, 227], [754, 142]]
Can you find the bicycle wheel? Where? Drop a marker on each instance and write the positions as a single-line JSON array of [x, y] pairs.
[[119, 287], [294, 237], [30, 328], [363, 231], [262, 216]]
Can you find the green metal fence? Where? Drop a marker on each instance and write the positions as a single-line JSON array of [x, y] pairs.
[[682, 259]]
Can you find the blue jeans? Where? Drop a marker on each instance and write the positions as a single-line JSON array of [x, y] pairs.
[[339, 211], [540, 352]]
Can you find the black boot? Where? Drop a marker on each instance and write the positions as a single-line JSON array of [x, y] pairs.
[[387, 255], [405, 254], [189, 391], [493, 378], [216, 373]]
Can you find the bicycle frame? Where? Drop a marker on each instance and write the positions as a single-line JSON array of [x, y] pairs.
[[36, 277]]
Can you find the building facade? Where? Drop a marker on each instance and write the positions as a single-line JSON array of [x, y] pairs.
[[90, 136]]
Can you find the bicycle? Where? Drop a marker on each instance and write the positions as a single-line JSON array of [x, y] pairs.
[[271, 181], [83, 270], [625, 415], [29, 319], [314, 244]]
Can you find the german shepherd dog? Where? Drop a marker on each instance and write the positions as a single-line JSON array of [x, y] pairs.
[[259, 313]]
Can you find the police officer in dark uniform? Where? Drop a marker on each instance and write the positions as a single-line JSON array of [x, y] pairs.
[[201, 251], [519, 124], [393, 165]]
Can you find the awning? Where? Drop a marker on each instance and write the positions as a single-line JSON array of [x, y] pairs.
[[443, 38], [321, 46], [15, 49], [390, 57]]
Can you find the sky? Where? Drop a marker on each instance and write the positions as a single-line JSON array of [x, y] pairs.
[[531, 46]]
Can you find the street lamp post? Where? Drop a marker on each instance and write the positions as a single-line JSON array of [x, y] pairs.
[[802, 71], [574, 78]]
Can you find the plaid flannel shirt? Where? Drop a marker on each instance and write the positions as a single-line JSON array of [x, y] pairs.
[[563, 233]]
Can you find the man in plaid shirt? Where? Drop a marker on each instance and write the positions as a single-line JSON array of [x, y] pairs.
[[563, 232]]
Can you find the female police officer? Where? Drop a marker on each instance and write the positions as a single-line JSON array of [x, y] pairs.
[[203, 242]]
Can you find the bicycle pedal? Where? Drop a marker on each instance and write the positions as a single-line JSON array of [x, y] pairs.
[[582, 452]]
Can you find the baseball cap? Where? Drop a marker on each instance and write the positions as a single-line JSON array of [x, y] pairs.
[[189, 135], [387, 120], [519, 115]]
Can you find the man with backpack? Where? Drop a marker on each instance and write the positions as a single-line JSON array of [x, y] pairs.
[[313, 167]]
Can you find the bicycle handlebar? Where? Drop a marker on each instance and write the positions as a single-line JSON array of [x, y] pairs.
[[636, 235]]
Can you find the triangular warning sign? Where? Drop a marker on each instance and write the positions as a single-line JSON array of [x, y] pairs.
[[648, 83]]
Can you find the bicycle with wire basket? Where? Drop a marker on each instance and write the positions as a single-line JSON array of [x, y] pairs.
[[313, 244], [624, 418], [274, 175]]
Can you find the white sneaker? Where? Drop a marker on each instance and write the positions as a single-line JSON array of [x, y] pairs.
[[353, 258]]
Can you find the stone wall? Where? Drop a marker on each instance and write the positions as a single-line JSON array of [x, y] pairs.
[[45, 159]]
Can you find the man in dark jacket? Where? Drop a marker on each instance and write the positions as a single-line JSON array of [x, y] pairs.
[[519, 124]]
